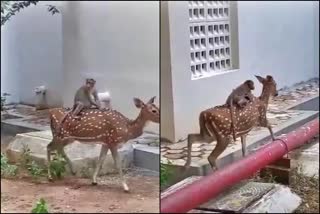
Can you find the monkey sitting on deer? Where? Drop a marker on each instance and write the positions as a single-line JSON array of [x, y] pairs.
[[239, 97], [87, 97]]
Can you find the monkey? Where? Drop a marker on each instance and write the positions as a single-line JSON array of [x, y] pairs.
[[240, 97], [86, 97]]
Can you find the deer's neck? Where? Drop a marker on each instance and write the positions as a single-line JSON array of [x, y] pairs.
[[265, 95], [136, 126]]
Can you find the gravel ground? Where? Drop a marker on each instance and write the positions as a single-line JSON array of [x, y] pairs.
[[19, 195]]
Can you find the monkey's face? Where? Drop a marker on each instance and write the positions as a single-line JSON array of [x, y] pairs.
[[90, 86], [250, 84], [148, 110]]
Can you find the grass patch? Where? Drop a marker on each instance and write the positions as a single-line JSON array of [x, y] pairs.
[[7, 170], [308, 189], [166, 173], [40, 207]]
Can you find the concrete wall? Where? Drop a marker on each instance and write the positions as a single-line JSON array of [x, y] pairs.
[[276, 38], [316, 37], [31, 54], [116, 43]]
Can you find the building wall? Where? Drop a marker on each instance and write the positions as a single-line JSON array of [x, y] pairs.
[[31, 55], [276, 38], [316, 37], [117, 44]]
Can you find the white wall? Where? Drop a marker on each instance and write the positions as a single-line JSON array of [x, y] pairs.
[[275, 38], [31, 55], [316, 37], [116, 43], [9, 67]]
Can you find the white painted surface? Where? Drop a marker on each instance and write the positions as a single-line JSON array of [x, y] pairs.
[[31, 55], [117, 43], [276, 38]]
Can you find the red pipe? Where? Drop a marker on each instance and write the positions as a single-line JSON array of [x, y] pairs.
[[210, 186]]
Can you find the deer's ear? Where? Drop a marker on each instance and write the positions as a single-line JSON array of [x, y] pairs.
[[152, 100], [138, 102], [261, 79]]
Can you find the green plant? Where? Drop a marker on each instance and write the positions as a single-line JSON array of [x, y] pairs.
[[58, 166], [10, 8], [7, 170], [35, 170], [41, 207], [25, 157], [165, 173], [26, 161]]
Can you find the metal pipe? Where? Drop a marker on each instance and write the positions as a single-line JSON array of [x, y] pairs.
[[210, 186]]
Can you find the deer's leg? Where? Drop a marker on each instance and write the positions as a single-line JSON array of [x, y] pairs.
[[222, 143], [266, 124], [64, 155], [244, 145], [102, 157], [50, 148], [271, 132], [118, 163], [191, 139]]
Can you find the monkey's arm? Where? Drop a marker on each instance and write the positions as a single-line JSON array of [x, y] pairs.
[[249, 95], [96, 101]]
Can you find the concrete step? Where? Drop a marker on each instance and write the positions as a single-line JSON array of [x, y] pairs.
[[82, 156]]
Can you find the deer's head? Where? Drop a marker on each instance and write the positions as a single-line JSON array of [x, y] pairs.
[[269, 84], [149, 110]]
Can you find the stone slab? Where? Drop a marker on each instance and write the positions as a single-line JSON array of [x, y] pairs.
[[279, 200], [254, 197], [238, 197], [146, 157], [82, 156]]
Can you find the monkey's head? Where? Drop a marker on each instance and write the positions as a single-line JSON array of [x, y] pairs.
[[250, 84], [270, 84], [90, 83], [149, 111]]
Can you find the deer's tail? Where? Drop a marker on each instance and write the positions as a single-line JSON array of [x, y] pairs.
[[232, 120], [202, 123]]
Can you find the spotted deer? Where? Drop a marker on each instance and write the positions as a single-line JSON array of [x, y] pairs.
[[108, 128], [215, 123]]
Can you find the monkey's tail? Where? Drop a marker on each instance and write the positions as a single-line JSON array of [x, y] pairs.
[[232, 120], [59, 125]]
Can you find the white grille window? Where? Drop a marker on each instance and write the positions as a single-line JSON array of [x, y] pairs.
[[210, 43]]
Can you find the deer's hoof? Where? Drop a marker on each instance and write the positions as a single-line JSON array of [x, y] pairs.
[[94, 183], [125, 188]]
